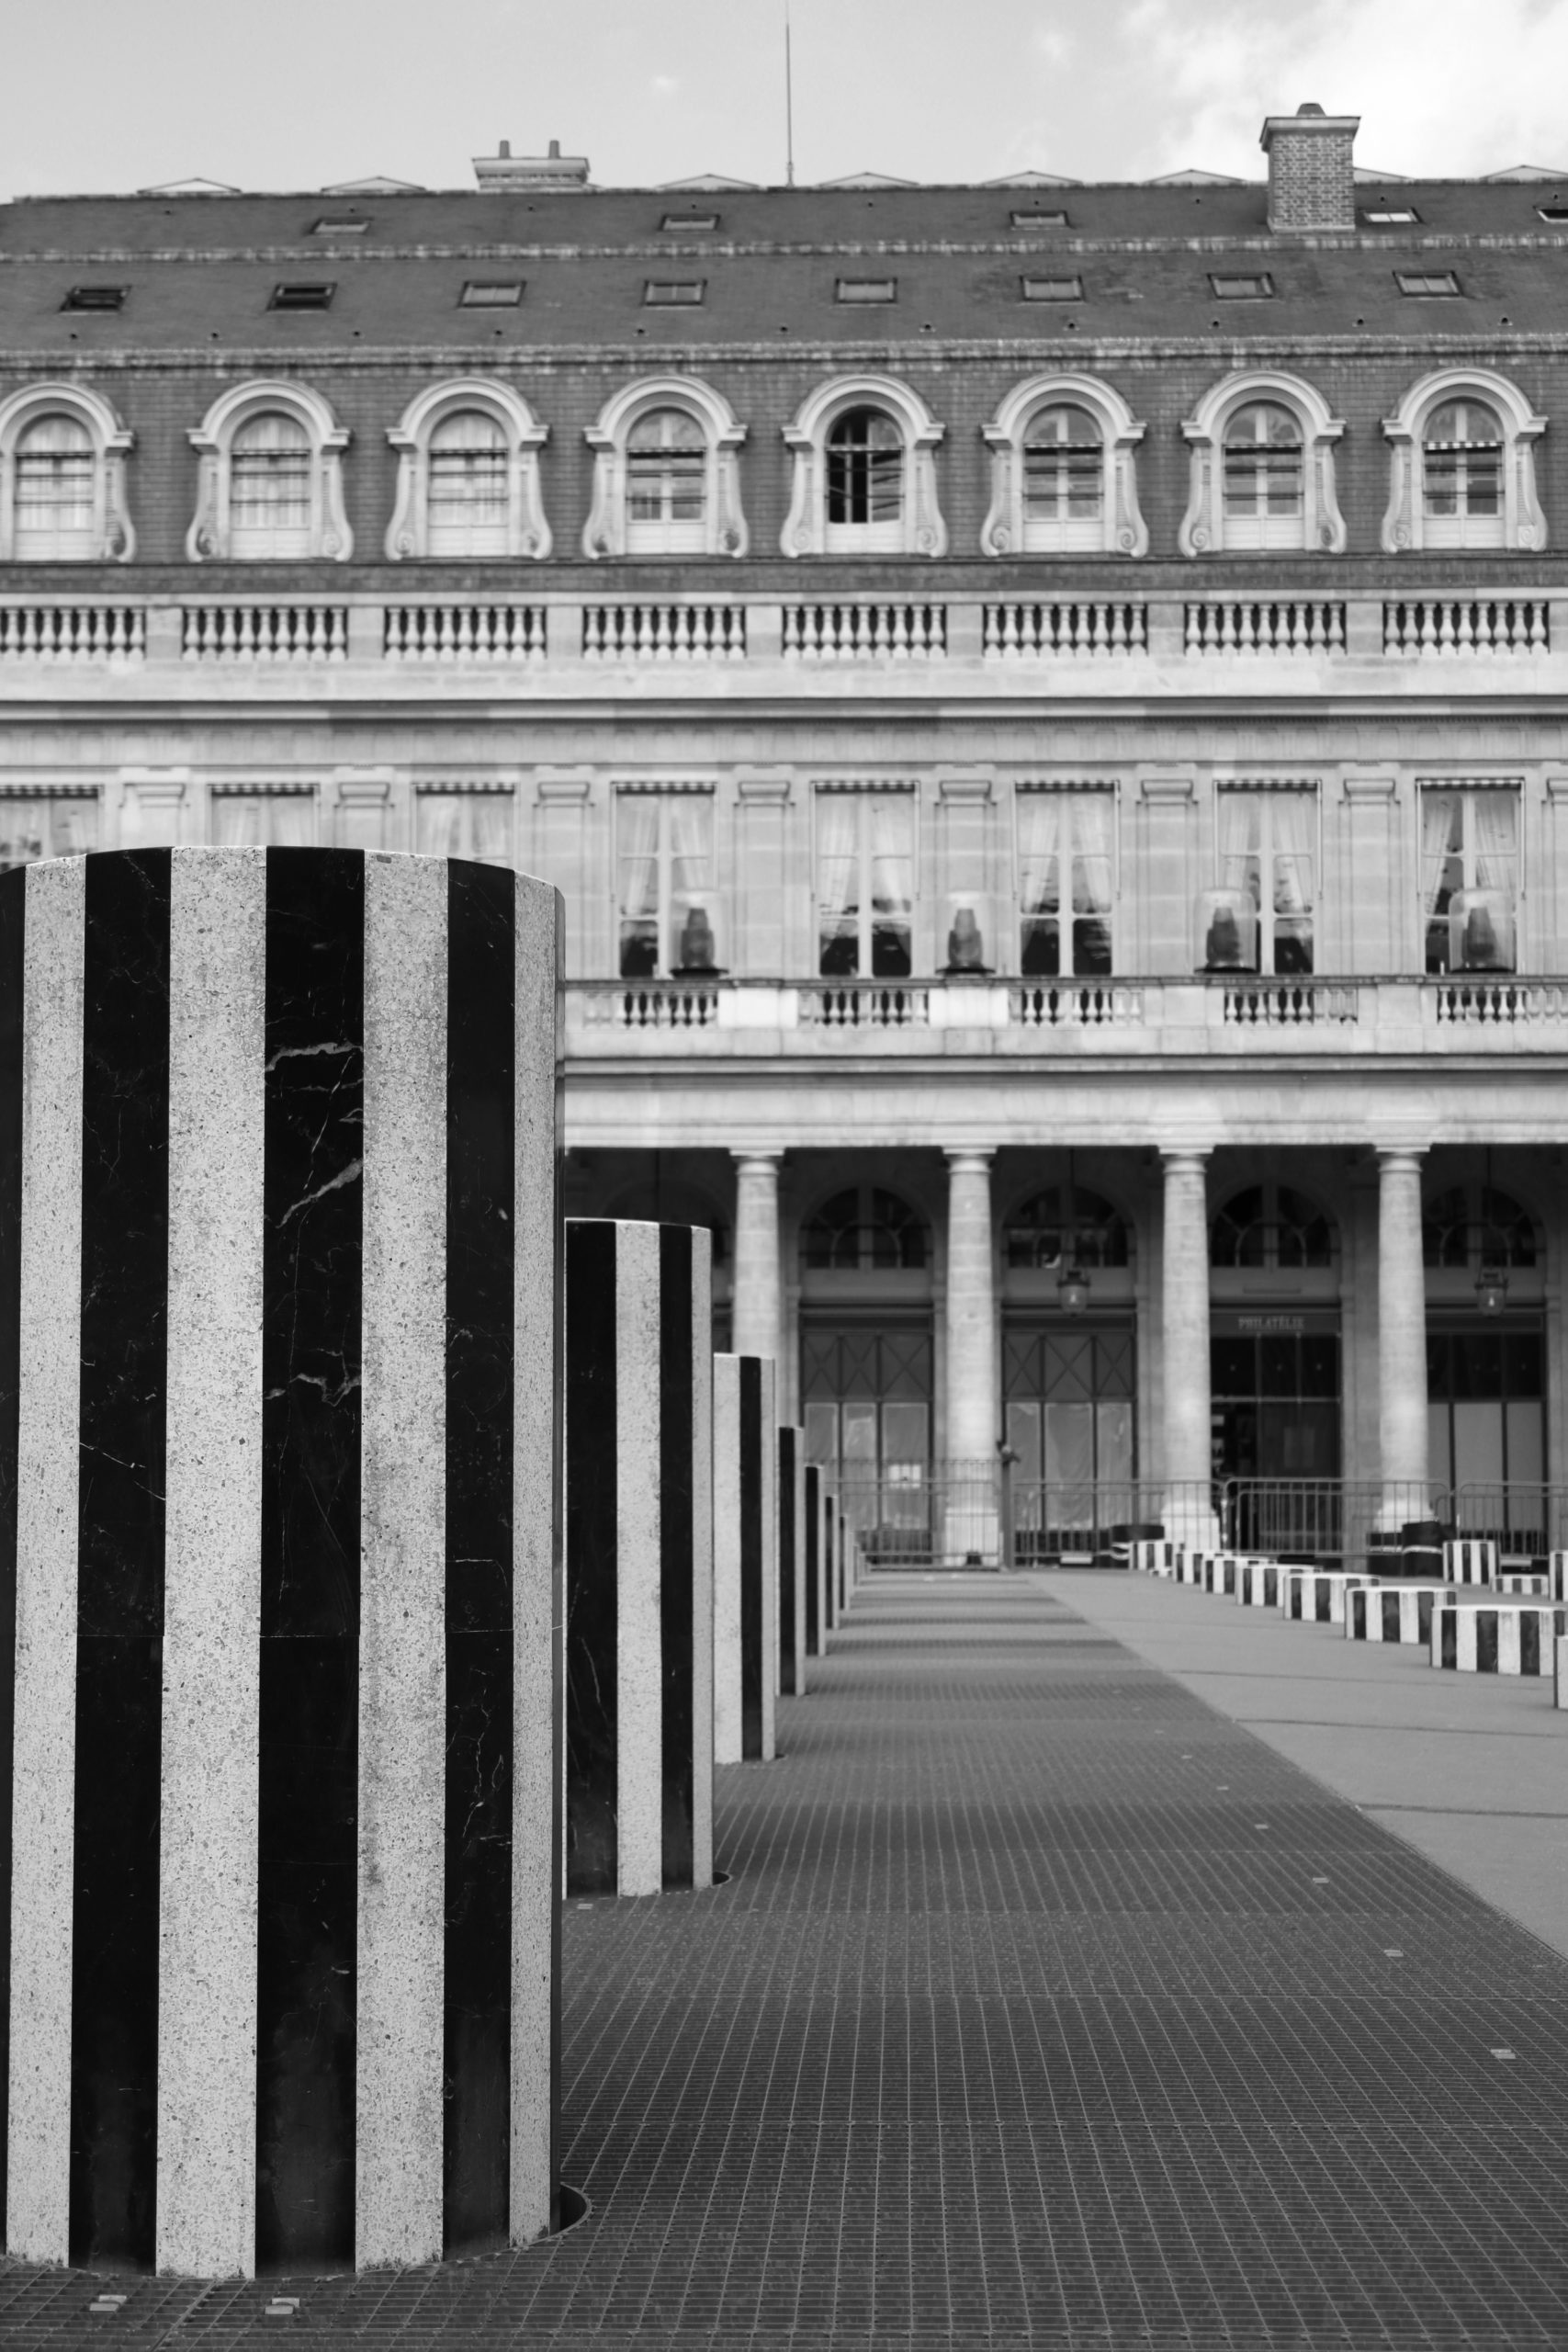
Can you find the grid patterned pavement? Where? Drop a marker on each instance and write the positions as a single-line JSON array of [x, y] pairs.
[[1044, 2007]]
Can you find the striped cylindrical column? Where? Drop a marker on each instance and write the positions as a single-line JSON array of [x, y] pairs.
[[278, 1544], [639, 1481], [745, 1559], [829, 1560], [815, 1562], [792, 1648]]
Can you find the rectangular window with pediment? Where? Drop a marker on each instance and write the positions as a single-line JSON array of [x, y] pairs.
[[44, 823], [664, 882], [1470, 875], [1066, 881], [865, 883]]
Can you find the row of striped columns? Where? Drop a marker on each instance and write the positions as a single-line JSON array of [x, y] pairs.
[[792, 1645], [638, 1478], [816, 1563], [277, 1558], [745, 1559]]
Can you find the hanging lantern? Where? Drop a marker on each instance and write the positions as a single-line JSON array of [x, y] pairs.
[[1491, 1289], [1072, 1289]]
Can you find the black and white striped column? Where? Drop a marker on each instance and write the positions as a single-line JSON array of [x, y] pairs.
[[792, 1645], [830, 1558], [815, 1562], [278, 1549], [745, 1559], [638, 1557]]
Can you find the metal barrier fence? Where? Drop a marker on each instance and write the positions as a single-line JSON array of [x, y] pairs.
[[982, 1514]]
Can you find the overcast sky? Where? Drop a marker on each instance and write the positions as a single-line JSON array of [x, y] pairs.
[[295, 94]]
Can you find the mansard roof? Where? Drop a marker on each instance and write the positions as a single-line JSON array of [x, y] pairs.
[[199, 268]]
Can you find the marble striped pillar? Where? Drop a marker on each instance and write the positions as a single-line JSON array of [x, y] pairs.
[[278, 1557], [638, 1442], [816, 1563], [792, 1648], [745, 1560], [829, 1560]]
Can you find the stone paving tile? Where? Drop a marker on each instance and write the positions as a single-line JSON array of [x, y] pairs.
[[1045, 2011]]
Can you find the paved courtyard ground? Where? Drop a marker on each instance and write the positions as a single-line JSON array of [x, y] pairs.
[[1047, 2006]]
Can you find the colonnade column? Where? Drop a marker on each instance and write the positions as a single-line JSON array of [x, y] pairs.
[[1189, 1467], [971, 1405], [754, 1303], [1402, 1339]]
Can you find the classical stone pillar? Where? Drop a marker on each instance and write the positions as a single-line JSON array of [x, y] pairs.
[[1188, 1510], [278, 1330], [1402, 1339], [754, 1296], [745, 1560], [638, 1486]]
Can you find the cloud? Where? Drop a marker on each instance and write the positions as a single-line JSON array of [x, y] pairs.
[[665, 86], [1443, 88]]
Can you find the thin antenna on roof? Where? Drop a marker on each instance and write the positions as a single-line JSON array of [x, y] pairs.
[[789, 108]]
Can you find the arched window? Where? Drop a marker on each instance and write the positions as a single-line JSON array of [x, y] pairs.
[[269, 488], [866, 1230], [1262, 468], [1063, 1227], [62, 479], [271, 480], [666, 486], [666, 473], [1462, 465], [467, 475], [864, 472], [1471, 1225], [1063, 477], [865, 480], [1462, 476], [1264, 477], [1271, 1225]]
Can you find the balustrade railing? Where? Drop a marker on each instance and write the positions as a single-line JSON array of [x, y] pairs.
[[682, 632], [265, 633], [72, 632], [1239, 625], [1446, 624], [651, 1005], [464, 632], [1076, 1004], [1065, 628], [852, 632], [1287, 1005], [1480, 1003], [865, 1004]]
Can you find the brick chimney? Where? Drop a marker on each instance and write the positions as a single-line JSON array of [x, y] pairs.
[[1311, 181], [553, 172]]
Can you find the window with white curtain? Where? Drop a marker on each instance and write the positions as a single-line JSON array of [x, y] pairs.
[[865, 885], [56, 482], [667, 484], [263, 818], [1469, 876], [45, 824], [270, 464], [468, 491], [664, 882], [1264, 470], [462, 822], [1066, 882], [1268, 849], [1063, 479]]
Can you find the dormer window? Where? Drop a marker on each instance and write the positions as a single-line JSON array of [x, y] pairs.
[[1053, 289], [1390, 216], [666, 476], [467, 475], [683, 224], [672, 293], [271, 482], [491, 294], [96, 298], [1062, 471], [1433, 283], [864, 472], [1038, 220], [63, 453], [1262, 474], [1463, 465], [338, 228], [302, 297], [1257, 287], [867, 290]]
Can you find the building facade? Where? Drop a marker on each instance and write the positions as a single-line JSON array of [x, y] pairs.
[[1044, 703]]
